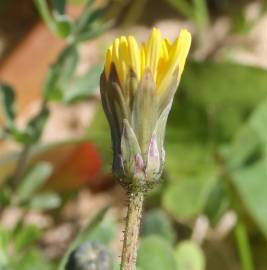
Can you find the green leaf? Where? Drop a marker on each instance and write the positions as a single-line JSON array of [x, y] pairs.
[[247, 157], [94, 31], [105, 232], [189, 256], [7, 104], [33, 180], [26, 236], [188, 147], [32, 259], [84, 86], [183, 7], [87, 18], [116, 266], [92, 229], [5, 237], [156, 222], [240, 22], [201, 13], [202, 119], [242, 148], [258, 121], [35, 126], [60, 74], [5, 196], [63, 25], [59, 6], [59, 24], [43, 9], [155, 253], [205, 85], [187, 198], [184, 159], [90, 25], [218, 202], [251, 185], [45, 201]]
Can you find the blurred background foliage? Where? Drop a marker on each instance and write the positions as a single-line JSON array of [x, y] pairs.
[[210, 210]]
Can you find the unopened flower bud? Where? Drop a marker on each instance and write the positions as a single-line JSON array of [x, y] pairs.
[[137, 89]]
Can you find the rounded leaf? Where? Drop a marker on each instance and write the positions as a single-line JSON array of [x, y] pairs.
[[189, 256], [155, 254]]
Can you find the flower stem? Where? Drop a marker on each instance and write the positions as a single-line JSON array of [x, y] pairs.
[[243, 247], [129, 251]]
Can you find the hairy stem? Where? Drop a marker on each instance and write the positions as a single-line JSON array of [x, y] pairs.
[[129, 251]]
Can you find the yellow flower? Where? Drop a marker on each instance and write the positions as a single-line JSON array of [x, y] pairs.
[[137, 89], [158, 55]]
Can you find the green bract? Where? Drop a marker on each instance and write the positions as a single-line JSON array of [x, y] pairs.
[[137, 117]]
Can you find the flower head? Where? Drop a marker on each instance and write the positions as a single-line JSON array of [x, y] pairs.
[[137, 88], [158, 55]]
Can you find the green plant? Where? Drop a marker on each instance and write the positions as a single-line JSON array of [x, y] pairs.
[[61, 83], [216, 163], [23, 189], [216, 151]]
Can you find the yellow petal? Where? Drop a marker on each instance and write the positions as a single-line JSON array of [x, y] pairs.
[[164, 50], [167, 44], [177, 57], [184, 46], [124, 50], [162, 62], [143, 58], [153, 50], [108, 62], [134, 55], [123, 58], [116, 59], [159, 55]]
